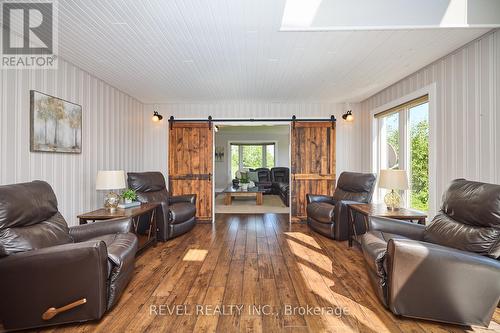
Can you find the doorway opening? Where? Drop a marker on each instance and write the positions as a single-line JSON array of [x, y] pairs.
[[252, 168]]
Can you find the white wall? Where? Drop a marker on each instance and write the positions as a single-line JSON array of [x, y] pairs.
[[112, 135], [349, 142], [467, 101], [278, 134]]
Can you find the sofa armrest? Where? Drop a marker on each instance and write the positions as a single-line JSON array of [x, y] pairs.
[[319, 198], [434, 282], [84, 232], [189, 198], [34, 281], [407, 229]]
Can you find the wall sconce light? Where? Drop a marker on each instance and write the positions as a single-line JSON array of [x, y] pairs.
[[156, 117], [348, 116], [216, 128]]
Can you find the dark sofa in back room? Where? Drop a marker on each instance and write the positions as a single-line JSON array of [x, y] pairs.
[[274, 181]]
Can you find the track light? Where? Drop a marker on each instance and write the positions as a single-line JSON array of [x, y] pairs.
[[348, 116], [156, 117]]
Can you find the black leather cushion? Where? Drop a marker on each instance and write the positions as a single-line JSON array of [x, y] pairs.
[[280, 174], [469, 219], [473, 203], [447, 232], [181, 211], [263, 174], [146, 181], [26, 204], [54, 231], [321, 211], [354, 186]]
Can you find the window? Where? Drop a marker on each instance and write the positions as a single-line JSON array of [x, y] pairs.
[[252, 156], [403, 143]]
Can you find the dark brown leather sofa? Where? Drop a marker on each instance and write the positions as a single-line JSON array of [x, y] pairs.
[[281, 183], [446, 271], [273, 181], [328, 215], [265, 183], [178, 212], [45, 264]]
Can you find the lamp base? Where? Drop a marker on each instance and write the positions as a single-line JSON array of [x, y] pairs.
[[393, 200], [111, 201]]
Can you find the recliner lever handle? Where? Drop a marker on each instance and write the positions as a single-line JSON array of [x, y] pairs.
[[52, 312]]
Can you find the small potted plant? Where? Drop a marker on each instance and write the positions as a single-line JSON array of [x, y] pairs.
[[244, 181], [129, 196]]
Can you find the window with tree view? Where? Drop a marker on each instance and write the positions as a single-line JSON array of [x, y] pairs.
[[252, 156], [404, 144]]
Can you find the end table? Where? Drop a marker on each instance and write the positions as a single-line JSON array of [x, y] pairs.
[[135, 214], [379, 210]]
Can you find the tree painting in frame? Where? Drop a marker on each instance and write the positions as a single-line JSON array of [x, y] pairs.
[[56, 124]]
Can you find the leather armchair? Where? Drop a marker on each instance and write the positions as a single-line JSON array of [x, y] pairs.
[[44, 264], [178, 212], [328, 215], [446, 271]]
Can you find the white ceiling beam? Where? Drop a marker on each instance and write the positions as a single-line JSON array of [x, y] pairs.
[[341, 15]]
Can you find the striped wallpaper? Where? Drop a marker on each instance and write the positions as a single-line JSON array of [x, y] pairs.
[[112, 136], [467, 125]]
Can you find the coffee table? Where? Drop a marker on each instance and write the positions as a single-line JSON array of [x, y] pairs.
[[232, 192], [380, 210]]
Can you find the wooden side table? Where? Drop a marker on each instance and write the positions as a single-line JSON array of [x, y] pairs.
[[379, 210], [135, 213]]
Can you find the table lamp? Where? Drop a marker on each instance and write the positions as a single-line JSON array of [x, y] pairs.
[[393, 180], [111, 180]]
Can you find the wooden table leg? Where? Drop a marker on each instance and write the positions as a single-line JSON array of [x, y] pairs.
[[350, 226], [259, 198], [228, 199]]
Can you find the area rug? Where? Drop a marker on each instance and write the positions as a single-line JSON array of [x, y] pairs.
[[271, 204]]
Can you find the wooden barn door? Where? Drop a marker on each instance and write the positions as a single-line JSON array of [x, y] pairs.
[[190, 164], [313, 163]]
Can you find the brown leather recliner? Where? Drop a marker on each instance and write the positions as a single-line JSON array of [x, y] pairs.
[[44, 264], [447, 271], [328, 215], [178, 212]]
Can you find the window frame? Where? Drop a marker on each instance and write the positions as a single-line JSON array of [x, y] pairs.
[[403, 111], [240, 145], [431, 91]]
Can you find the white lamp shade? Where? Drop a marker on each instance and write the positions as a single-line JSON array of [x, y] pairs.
[[110, 180], [393, 179]]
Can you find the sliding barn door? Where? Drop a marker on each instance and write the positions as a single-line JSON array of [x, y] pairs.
[[313, 163], [190, 164]]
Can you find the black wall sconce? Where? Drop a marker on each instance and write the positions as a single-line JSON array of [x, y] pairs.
[[156, 117], [348, 116]]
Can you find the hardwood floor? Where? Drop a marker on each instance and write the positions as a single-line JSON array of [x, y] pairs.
[[252, 261]]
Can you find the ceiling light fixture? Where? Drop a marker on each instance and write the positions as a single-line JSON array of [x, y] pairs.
[[348, 116], [157, 117]]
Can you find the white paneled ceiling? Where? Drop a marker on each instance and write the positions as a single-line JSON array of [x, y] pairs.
[[192, 50]]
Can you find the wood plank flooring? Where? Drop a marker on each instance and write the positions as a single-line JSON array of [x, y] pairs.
[[218, 277]]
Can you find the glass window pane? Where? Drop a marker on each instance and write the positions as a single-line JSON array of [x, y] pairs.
[[270, 159], [419, 157], [252, 157], [389, 150], [235, 163]]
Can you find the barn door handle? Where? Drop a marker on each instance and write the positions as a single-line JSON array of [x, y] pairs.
[[209, 177]]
